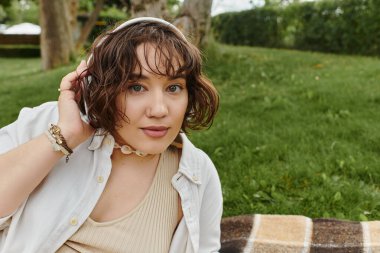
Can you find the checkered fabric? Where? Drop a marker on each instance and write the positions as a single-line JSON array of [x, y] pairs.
[[291, 234]]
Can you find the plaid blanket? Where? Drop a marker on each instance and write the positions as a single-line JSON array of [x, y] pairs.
[[292, 234]]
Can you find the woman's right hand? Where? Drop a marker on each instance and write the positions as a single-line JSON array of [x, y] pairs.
[[23, 168], [73, 128]]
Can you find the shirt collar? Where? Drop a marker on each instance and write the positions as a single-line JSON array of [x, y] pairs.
[[97, 139], [189, 163]]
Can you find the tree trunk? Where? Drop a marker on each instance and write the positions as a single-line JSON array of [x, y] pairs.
[[56, 37], [73, 11], [148, 8], [90, 23], [195, 21]]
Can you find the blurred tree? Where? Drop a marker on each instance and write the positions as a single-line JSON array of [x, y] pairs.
[[90, 23], [73, 6], [148, 8], [56, 37], [5, 3], [60, 38], [195, 20], [3, 14], [59, 30]]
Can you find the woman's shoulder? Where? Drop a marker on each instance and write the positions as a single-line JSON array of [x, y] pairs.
[[192, 152], [32, 121], [45, 110], [196, 161], [39, 116]]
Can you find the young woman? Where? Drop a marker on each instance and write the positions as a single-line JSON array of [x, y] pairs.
[[108, 168]]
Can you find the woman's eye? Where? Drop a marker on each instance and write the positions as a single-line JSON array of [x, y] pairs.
[[175, 88], [136, 88]]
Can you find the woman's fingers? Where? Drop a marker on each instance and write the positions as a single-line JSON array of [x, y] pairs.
[[82, 67], [70, 122], [70, 81]]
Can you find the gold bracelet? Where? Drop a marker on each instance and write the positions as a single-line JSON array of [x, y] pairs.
[[58, 141]]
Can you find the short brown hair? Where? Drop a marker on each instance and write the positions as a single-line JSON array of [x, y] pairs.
[[113, 59]]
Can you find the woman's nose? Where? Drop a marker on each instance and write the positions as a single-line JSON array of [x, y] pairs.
[[157, 106]]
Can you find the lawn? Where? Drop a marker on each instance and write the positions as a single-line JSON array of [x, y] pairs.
[[297, 132]]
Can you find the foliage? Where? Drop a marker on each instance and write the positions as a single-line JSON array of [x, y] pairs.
[[88, 5], [339, 26], [113, 13], [297, 132], [3, 14], [5, 3], [173, 7], [346, 26], [256, 27], [108, 17], [21, 11]]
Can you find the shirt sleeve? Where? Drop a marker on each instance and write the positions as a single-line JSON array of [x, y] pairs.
[[211, 213], [5, 222], [6, 141], [6, 144], [30, 123]]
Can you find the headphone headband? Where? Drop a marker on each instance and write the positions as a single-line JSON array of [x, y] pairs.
[[140, 19], [137, 20]]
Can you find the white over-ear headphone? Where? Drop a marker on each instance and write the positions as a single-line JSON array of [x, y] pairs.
[[125, 149], [137, 20], [121, 26], [158, 20]]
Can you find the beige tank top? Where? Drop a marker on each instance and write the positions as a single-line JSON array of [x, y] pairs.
[[149, 227]]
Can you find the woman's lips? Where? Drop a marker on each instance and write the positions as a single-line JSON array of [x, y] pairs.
[[155, 132]]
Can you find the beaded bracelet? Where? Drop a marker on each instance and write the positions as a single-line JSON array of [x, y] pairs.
[[58, 141]]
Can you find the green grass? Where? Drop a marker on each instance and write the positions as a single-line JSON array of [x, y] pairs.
[[297, 132], [22, 83]]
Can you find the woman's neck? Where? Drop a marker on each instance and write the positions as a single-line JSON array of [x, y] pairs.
[[134, 161]]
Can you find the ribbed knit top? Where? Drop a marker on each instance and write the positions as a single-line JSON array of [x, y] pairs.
[[149, 227]]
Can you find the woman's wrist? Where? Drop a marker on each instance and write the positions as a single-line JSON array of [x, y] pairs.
[[74, 137], [58, 141]]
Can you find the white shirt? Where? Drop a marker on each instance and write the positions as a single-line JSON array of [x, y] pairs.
[[57, 208]]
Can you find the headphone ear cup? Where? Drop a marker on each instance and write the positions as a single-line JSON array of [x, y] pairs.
[[84, 86]]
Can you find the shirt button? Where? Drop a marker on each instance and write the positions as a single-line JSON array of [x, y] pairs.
[[195, 178], [100, 179], [73, 221]]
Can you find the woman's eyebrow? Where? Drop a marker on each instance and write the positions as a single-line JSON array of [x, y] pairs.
[[178, 76], [138, 76], [135, 76]]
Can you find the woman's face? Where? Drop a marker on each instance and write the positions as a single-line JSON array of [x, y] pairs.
[[155, 106]]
